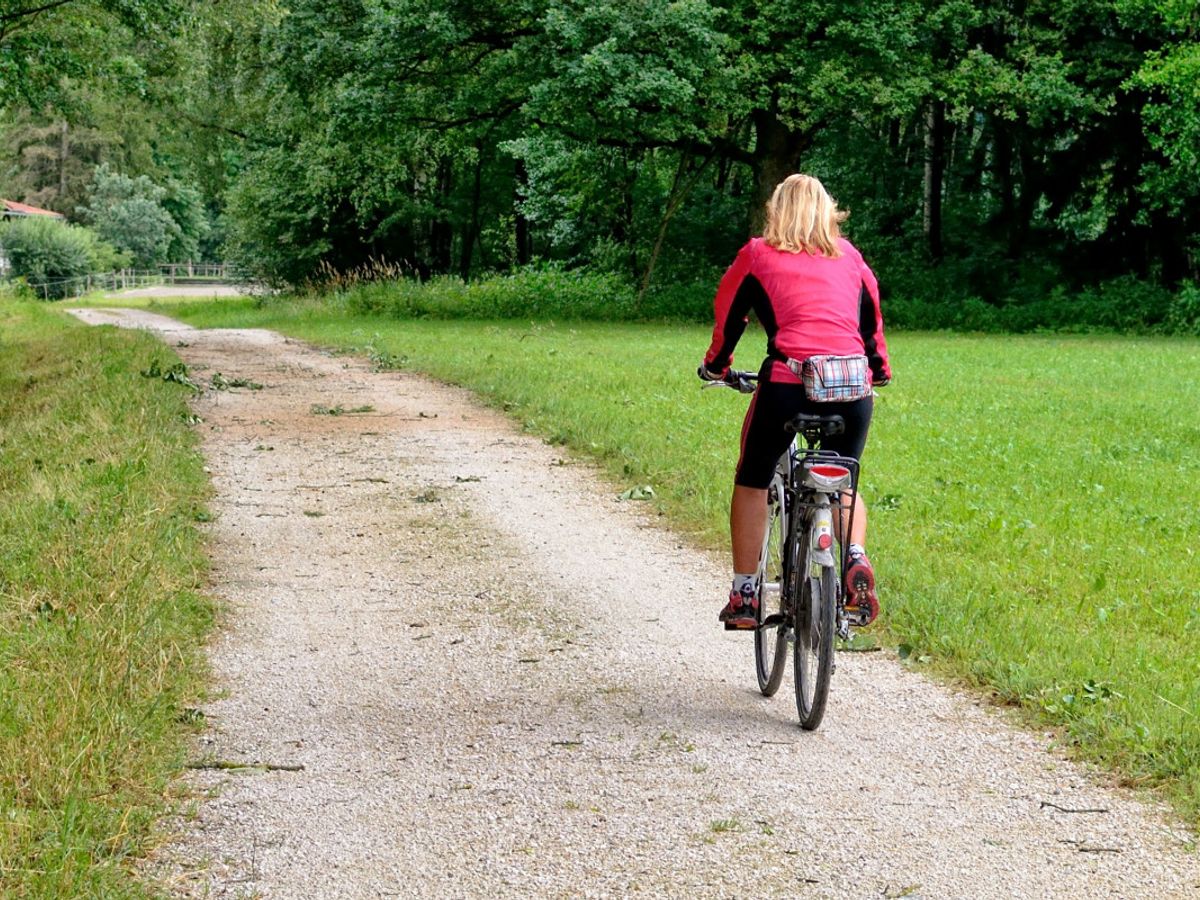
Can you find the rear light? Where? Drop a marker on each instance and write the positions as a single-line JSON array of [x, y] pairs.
[[827, 477]]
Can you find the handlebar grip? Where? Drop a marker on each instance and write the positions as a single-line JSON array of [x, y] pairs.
[[742, 381]]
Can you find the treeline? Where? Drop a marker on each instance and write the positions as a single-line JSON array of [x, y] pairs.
[[1006, 152], [88, 92]]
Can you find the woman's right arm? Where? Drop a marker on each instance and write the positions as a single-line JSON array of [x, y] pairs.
[[736, 296]]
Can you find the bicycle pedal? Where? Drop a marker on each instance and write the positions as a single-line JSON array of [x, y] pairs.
[[857, 618], [772, 621]]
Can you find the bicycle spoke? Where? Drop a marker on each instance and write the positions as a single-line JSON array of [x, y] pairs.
[[770, 642]]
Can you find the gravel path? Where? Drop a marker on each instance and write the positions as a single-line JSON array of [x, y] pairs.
[[501, 681], [181, 290]]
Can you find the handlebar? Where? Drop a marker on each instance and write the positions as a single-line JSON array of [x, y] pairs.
[[742, 382]]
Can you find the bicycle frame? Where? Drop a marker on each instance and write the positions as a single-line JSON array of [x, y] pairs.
[[814, 509]]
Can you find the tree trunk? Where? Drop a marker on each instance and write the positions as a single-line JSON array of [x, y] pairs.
[[1031, 193], [680, 188], [1002, 164], [627, 213], [777, 152], [935, 138], [64, 151], [471, 232], [724, 167], [520, 223], [1169, 245], [441, 235], [777, 155]]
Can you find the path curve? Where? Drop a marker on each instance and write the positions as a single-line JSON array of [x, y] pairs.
[[501, 681]]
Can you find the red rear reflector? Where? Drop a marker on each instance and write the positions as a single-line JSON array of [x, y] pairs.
[[828, 471], [824, 542]]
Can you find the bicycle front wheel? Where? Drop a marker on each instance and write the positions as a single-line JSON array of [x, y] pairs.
[[813, 649], [770, 640]]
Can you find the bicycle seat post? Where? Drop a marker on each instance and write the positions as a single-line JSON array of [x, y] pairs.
[[813, 428]]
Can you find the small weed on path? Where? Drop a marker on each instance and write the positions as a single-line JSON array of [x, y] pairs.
[[223, 383], [176, 373], [384, 360], [318, 409]]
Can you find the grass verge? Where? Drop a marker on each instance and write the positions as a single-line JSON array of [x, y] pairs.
[[101, 620], [1030, 514]]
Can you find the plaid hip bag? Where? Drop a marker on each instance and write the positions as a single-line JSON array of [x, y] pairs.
[[830, 379]]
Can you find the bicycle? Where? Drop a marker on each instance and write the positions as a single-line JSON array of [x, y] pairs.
[[799, 581]]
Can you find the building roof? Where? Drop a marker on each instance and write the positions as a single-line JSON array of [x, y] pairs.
[[13, 208]]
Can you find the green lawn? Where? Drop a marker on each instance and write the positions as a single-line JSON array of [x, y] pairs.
[[101, 619], [1033, 498]]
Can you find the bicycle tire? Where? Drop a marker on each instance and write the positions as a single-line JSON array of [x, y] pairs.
[[770, 643], [813, 648]]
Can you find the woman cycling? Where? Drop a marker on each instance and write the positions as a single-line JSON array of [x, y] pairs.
[[815, 296]]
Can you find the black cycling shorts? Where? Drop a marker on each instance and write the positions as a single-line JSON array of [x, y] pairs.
[[764, 438]]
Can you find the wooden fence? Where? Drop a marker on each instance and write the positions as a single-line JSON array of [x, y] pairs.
[[174, 273], [197, 273]]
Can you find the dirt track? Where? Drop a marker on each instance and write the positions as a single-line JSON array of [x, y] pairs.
[[500, 681]]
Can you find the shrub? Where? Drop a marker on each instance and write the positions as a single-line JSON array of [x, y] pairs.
[[1121, 305], [531, 293], [50, 255], [1183, 316], [690, 301]]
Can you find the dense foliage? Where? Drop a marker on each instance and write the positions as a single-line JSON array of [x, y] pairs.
[[995, 154], [133, 215], [51, 256], [88, 94], [996, 150]]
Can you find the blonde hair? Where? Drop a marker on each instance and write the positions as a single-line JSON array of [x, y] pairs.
[[803, 218]]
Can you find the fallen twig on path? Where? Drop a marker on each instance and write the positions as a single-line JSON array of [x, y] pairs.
[[1065, 809], [225, 764]]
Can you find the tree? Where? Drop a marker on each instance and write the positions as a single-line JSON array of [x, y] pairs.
[[48, 45], [1170, 79], [129, 213], [50, 161], [996, 149]]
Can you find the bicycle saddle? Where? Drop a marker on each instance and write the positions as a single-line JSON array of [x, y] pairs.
[[822, 426]]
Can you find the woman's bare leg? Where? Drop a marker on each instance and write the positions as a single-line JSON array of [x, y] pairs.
[[747, 525], [858, 533]]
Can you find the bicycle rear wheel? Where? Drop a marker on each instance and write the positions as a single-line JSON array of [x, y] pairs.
[[770, 641], [813, 649]]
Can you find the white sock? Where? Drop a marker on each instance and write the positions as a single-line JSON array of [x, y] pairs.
[[858, 550], [744, 584]]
